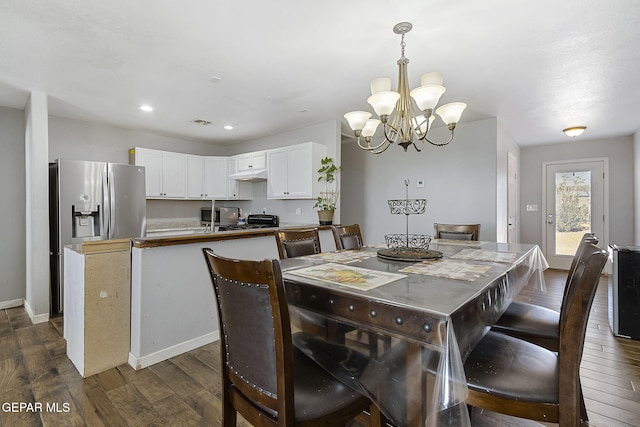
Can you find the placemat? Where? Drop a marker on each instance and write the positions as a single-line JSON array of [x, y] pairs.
[[448, 269], [346, 275], [343, 256], [485, 255]]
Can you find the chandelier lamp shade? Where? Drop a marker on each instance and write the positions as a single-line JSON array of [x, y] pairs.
[[396, 110]]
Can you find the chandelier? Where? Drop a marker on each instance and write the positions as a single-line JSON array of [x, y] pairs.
[[403, 126]]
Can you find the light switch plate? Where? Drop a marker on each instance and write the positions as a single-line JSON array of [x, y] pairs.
[[420, 183]]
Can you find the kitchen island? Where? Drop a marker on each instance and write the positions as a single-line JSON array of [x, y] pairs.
[[173, 309]]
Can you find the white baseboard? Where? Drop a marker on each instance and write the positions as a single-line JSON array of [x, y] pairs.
[[11, 304], [35, 318], [138, 363]]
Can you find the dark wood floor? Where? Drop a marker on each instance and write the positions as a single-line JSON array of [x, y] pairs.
[[185, 390]]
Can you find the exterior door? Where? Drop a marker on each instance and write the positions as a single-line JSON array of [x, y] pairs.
[[575, 204]]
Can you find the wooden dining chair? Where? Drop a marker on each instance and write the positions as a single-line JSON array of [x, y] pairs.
[[347, 236], [265, 378], [297, 242], [456, 231], [350, 237], [537, 324], [515, 377], [302, 242]]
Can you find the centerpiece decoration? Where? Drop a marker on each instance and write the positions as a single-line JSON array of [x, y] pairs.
[[408, 247], [328, 199]]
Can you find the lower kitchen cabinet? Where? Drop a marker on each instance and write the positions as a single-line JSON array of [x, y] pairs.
[[97, 303]]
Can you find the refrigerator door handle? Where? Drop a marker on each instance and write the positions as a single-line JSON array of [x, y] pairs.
[[106, 201], [112, 202]]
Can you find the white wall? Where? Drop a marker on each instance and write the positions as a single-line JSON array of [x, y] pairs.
[[80, 140], [326, 133], [636, 187], [460, 183], [618, 150], [13, 195]]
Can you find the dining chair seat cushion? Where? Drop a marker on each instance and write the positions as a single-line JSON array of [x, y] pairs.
[[514, 369], [317, 393], [531, 322], [296, 248]]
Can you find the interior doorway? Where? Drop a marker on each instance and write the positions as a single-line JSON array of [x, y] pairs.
[[575, 202], [512, 199]]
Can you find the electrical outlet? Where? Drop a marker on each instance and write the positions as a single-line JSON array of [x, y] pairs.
[[298, 211], [420, 183]]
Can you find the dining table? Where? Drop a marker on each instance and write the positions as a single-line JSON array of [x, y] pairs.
[[432, 311]]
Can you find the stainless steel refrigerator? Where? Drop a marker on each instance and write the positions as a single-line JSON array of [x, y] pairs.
[[91, 201]]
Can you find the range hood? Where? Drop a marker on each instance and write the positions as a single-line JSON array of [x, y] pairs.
[[250, 175]]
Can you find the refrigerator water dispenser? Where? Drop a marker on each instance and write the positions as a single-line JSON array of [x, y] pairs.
[[85, 223]]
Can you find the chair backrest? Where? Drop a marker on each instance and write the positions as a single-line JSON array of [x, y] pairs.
[[456, 231], [573, 324], [586, 238], [347, 236], [256, 344], [297, 242]]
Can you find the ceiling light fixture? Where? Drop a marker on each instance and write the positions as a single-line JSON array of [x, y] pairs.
[[228, 127], [404, 127], [147, 108], [574, 131], [202, 122]]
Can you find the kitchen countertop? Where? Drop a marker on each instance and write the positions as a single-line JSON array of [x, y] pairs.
[[151, 242]]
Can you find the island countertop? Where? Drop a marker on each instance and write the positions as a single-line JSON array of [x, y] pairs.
[[152, 242]]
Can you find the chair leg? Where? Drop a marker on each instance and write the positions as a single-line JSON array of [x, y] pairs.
[[377, 419], [584, 418]]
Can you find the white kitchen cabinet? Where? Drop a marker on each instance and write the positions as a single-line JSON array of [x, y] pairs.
[[215, 177], [237, 190], [251, 161], [165, 172], [195, 177], [292, 171], [206, 177]]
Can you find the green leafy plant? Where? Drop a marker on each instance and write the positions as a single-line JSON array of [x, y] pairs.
[[328, 173]]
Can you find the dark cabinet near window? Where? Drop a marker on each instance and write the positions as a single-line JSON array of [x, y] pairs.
[[624, 291]]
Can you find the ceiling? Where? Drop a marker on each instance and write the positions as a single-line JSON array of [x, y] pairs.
[[270, 66]]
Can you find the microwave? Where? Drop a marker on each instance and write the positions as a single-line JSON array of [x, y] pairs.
[[219, 216]]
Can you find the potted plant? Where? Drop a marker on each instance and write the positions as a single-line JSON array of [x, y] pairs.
[[327, 200]]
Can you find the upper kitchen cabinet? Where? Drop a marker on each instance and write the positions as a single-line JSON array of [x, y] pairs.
[[206, 177], [251, 161], [292, 171], [165, 172], [237, 189]]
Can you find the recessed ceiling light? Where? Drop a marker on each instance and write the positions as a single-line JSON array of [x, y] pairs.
[[147, 108], [228, 127], [574, 131]]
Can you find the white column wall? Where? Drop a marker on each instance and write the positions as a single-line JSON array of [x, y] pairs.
[[37, 207], [636, 187]]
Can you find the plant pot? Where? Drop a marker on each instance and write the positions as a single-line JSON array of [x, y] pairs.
[[325, 217]]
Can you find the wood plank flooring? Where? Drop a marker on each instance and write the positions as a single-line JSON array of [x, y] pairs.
[[185, 390]]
